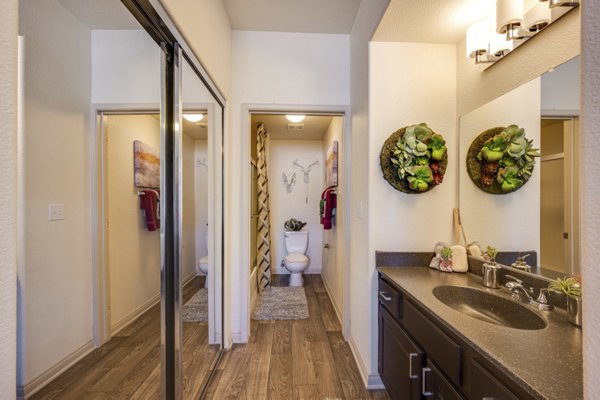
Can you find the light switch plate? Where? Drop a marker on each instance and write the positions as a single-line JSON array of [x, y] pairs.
[[56, 212]]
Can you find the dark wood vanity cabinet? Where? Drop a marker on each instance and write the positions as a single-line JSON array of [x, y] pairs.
[[420, 360], [400, 359]]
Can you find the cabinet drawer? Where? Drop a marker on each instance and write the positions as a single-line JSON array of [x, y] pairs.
[[390, 298], [435, 385], [400, 360], [437, 345], [485, 386]]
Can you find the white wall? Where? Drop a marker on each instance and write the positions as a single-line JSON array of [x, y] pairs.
[[561, 88], [133, 251], [8, 196], [590, 192], [359, 299], [486, 217], [57, 254], [272, 68], [206, 27], [412, 92], [286, 205], [201, 195], [477, 85], [189, 202], [333, 269], [125, 67]]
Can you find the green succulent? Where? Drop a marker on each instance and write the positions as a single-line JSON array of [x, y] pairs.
[[493, 149], [416, 138], [517, 142], [568, 286], [509, 179], [446, 253], [420, 176], [491, 253], [438, 147], [402, 159]]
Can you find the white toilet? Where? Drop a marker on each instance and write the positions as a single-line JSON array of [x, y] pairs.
[[296, 244], [202, 265]]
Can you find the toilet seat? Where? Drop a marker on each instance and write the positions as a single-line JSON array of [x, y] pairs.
[[295, 259]]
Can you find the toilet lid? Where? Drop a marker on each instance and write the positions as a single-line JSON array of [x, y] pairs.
[[204, 260], [296, 257]]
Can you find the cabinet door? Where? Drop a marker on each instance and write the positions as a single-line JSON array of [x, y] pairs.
[[400, 360], [485, 386], [436, 386]]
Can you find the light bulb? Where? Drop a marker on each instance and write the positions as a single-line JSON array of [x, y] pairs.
[[194, 117], [295, 118]]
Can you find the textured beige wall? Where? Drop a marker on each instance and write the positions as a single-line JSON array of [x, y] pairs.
[[553, 46], [590, 193], [133, 251], [8, 196]]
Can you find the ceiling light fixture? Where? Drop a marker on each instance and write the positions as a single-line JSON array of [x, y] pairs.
[[194, 117], [295, 118], [510, 23]]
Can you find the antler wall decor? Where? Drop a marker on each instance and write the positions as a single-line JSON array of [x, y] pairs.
[[289, 179], [306, 172]]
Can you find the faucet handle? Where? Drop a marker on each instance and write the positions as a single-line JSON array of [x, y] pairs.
[[542, 300]]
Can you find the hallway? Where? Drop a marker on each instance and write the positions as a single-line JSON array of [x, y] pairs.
[[299, 359]]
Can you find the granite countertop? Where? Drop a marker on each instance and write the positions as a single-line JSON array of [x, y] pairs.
[[546, 362]]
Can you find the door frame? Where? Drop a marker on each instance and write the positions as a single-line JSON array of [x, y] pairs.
[[100, 267], [245, 173]]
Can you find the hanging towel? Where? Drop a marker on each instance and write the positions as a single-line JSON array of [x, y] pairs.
[[150, 203], [328, 206]]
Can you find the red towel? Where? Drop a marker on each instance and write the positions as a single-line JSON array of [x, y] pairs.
[[328, 212], [150, 203]]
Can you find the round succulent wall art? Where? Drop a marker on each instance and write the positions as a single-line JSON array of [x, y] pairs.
[[414, 159], [500, 160]]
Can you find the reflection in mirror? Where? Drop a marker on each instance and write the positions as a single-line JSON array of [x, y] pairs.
[[541, 218], [201, 225], [89, 276]]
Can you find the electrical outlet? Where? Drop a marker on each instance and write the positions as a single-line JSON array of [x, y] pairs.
[[56, 212]]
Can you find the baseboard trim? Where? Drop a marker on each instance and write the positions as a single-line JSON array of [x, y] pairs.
[[45, 378], [375, 382], [362, 369], [336, 306], [132, 316], [236, 337], [312, 271], [135, 314]]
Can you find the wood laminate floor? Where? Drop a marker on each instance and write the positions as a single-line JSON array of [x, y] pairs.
[[128, 365], [299, 359]]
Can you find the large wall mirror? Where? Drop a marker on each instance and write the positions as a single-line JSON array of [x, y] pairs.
[[94, 318], [541, 218]]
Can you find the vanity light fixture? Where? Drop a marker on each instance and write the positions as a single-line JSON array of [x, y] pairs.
[[193, 117], [511, 22], [295, 118]]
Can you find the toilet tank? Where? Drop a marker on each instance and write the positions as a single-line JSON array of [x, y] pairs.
[[296, 242]]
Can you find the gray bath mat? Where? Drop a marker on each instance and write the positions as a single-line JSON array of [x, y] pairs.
[[196, 308], [281, 303]]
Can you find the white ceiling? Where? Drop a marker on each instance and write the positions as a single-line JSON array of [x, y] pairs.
[[315, 126], [309, 16], [102, 14], [431, 21]]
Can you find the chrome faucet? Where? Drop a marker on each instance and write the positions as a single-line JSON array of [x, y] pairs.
[[524, 295]]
